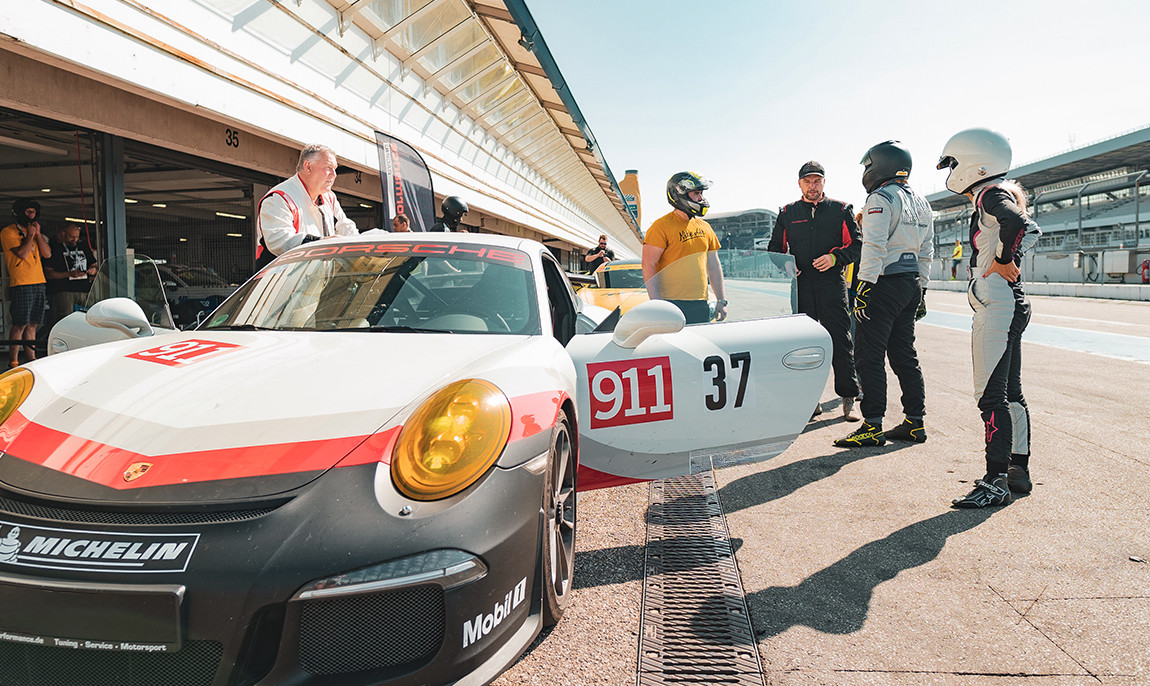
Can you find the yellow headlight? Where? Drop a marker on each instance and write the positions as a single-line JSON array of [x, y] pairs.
[[15, 385], [451, 440]]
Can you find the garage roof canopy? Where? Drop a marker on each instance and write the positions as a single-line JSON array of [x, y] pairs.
[[487, 59]]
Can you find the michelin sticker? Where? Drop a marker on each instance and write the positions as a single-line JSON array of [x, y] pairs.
[[94, 551], [484, 623]]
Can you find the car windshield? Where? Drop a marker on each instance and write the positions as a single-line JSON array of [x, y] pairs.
[[623, 278], [389, 286]]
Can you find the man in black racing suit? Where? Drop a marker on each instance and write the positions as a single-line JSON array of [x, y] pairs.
[[823, 236]]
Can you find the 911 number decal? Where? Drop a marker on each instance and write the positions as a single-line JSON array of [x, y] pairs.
[[630, 392], [183, 352], [715, 366]]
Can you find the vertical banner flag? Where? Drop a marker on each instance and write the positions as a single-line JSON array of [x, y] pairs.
[[406, 183]]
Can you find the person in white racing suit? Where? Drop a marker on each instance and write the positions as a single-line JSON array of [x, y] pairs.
[[897, 248], [301, 209], [1001, 230]]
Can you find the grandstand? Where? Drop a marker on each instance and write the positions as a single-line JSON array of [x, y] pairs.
[[1093, 205], [743, 230]]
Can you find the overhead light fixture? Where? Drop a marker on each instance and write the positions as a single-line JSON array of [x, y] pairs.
[[183, 240], [79, 221], [159, 204], [367, 207], [45, 190], [28, 145], [236, 235], [130, 201], [230, 216]]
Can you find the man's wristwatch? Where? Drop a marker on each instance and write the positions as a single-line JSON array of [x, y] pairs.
[[721, 302]]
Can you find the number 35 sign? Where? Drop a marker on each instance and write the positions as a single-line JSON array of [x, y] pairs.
[[630, 392]]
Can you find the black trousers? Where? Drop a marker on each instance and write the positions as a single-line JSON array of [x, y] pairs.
[[889, 333], [824, 299], [696, 311]]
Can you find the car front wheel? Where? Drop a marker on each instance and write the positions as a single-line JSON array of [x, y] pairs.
[[558, 554]]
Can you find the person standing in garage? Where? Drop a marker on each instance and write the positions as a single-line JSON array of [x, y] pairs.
[[301, 209], [24, 247], [822, 235], [69, 272]]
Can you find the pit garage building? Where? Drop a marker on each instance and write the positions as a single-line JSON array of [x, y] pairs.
[[159, 126]]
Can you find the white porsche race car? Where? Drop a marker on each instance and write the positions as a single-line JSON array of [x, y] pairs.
[[361, 469]]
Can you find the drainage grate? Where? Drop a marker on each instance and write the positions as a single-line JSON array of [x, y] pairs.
[[694, 627]]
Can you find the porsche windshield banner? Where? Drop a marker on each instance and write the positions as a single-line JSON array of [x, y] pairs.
[[406, 183]]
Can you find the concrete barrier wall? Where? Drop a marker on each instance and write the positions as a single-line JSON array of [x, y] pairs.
[[1116, 291]]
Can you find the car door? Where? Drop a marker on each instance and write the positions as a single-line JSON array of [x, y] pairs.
[[654, 405]]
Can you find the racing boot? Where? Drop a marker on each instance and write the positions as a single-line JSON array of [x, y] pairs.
[[989, 490], [866, 435], [909, 430], [1018, 479]]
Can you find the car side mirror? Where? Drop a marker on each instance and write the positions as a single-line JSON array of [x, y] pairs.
[[645, 320], [121, 314]]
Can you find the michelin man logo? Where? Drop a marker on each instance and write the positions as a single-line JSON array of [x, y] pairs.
[[10, 545]]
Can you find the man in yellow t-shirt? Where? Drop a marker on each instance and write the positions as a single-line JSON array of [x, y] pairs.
[[680, 252], [24, 246]]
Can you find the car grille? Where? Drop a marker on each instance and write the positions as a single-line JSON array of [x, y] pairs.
[[396, 628], [128, 518], [26, 665]]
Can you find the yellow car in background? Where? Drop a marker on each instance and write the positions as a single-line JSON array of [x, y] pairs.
[[617, 284], [620, 284]]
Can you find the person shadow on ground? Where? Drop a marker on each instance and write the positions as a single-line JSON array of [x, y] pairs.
[[836, 600]]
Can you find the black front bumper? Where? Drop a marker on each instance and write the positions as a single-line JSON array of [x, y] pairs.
[[324, 586]]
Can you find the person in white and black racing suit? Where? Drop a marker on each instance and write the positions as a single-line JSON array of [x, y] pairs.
[[897, 248], [823, 237], [1001, 230]]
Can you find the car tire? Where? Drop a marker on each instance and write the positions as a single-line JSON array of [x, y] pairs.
[[557, 557]]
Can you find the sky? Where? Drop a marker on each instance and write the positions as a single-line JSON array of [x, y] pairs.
[[745, 91]]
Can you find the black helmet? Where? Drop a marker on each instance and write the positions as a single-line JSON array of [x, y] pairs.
[[20, 207], [454, 208], [886, 161], [678, 188]]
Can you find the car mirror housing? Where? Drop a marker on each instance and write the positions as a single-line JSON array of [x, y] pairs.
[[121, 314], [645, 320]]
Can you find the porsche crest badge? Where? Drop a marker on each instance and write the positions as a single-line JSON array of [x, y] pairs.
[[136, 470]]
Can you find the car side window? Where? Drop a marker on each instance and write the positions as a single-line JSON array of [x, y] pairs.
[[561, 300]]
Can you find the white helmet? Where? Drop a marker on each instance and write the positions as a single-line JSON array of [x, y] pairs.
[[974, 156]]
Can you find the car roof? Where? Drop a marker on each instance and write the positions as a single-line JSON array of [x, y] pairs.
[[622, 264]]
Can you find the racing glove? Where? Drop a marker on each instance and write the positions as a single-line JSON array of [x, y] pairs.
[[921, 311], [862, 297]]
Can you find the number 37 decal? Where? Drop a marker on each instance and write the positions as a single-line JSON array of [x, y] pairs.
[[639, 391]]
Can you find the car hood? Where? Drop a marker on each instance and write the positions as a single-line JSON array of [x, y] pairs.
[[198, 416]]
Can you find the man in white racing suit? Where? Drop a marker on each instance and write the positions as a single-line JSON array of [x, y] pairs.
[[302, 208], [897, 231], [1001, 230]]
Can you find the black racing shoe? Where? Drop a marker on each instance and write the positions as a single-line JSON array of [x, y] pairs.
[[909, 430], [985, 493], [1018, 479], [866, 435]]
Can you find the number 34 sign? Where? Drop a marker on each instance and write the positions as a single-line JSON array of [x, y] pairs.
[[630, 392]]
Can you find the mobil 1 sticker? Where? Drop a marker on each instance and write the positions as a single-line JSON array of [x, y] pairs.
[[93, 551]]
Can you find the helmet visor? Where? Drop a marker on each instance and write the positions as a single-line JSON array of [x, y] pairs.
[[947, 162]]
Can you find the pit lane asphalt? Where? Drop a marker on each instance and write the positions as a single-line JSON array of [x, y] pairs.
[[857, 571]]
